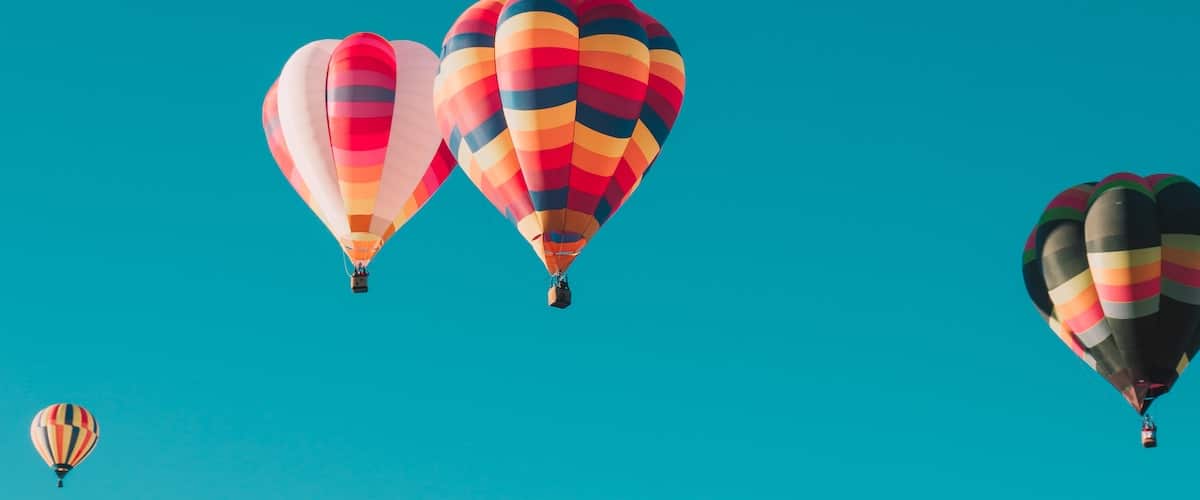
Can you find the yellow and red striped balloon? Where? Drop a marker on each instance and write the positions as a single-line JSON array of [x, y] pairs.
[[556, 109], [64, 434]]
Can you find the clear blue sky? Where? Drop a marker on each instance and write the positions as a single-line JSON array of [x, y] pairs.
[[816, 294]]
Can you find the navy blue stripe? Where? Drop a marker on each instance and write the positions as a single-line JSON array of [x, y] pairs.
[[663, 43], [658, 128], [360, 93], [71, 445], [88, 451], [467, 41], [486, 131], [548, 97], [614, 26], [523, 6], [604, 123], [69, 414], [561, 237], [552, 199], [46, 439], [603, 211], [454, 141]]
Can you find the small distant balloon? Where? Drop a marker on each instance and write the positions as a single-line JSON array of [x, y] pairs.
[[64, 434]]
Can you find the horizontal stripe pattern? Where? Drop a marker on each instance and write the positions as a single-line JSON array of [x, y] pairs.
[[1128, 282], [360, 97], [551, 110], [1078, 305], [1074, 293], [1178, 203], [1114, 268], [370, 143]]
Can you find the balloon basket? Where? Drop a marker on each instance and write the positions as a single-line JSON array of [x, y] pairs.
[[61, 471], [358, 282], [559, 296], [1149, 438], [1149, 432]]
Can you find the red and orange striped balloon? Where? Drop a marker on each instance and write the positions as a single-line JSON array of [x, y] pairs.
[[556, 109]]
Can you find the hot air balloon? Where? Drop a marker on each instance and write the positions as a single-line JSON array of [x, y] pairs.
[[352, 127], [556, 109], [64, 434], [1114, 267]]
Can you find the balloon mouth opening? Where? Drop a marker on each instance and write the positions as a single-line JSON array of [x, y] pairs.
[[61, 470], [1143, 393]]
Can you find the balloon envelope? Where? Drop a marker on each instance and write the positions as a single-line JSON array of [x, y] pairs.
[[556, 109], [351, 126], [64, 435], [1114, 267]]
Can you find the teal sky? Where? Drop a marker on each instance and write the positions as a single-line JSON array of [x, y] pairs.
[[815, 295]]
